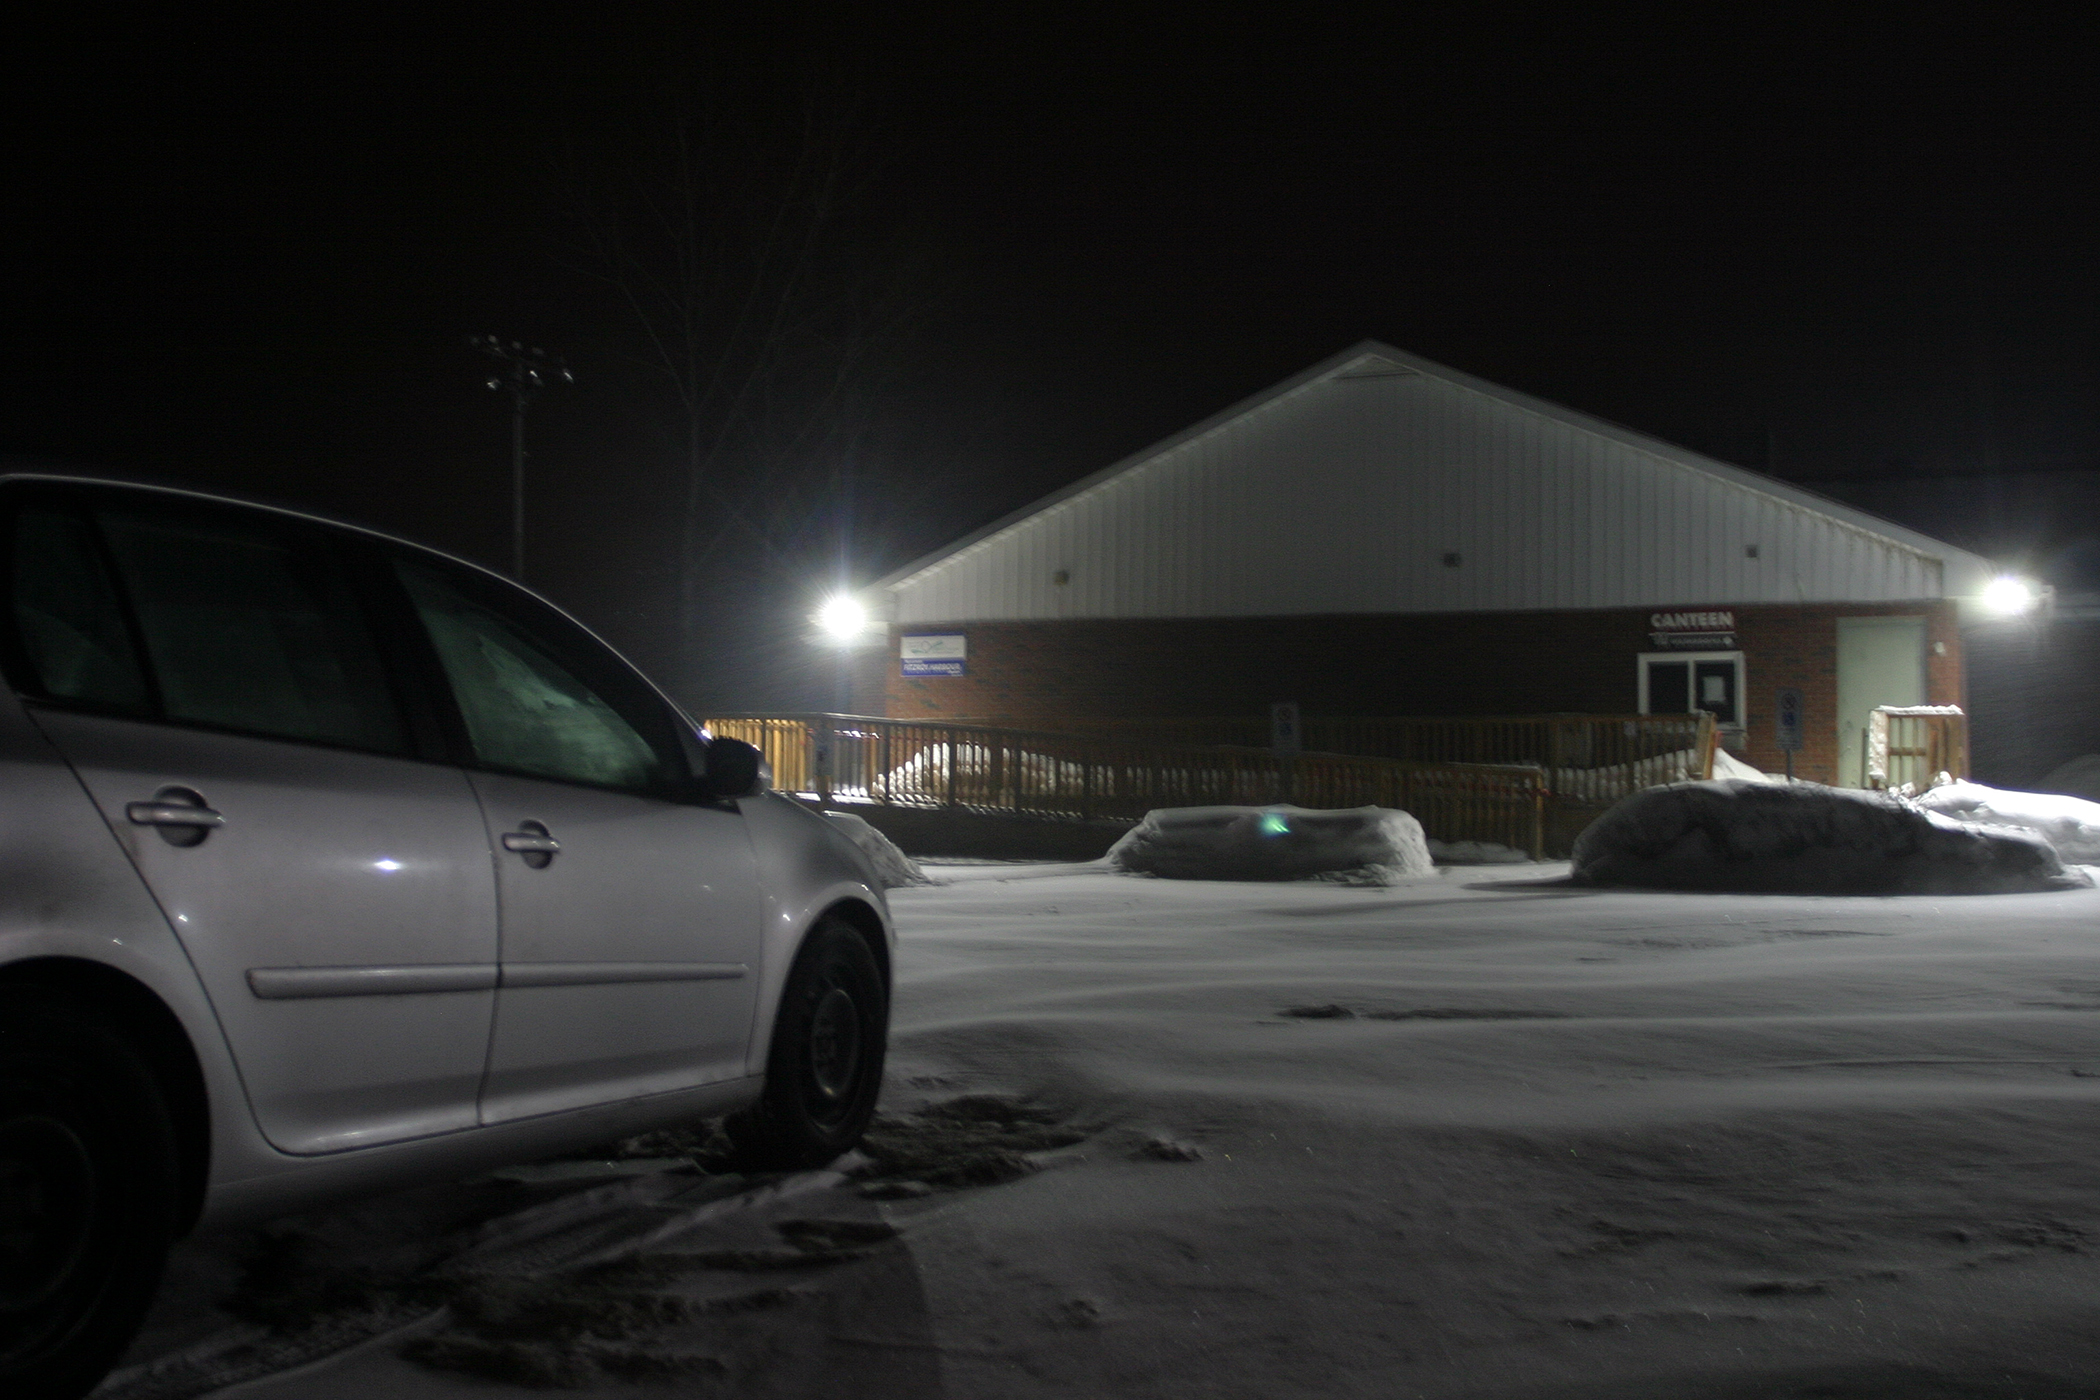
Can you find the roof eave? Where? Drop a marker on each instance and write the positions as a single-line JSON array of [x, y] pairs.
[[1270, 395], [1952, 559]]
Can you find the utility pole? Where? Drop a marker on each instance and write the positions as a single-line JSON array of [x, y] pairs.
[[526, 371]]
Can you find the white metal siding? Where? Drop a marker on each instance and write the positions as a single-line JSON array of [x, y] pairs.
[[1344, 495]]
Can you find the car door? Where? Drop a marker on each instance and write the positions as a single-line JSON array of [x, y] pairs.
[[629, 912], [217, 683]]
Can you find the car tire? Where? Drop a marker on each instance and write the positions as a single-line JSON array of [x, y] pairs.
[[824, 1070], [89, 1190]]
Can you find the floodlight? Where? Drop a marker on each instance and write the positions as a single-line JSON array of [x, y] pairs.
[[843, 618], [2008, 596]]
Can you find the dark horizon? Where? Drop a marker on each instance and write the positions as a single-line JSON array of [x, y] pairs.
[[1856, 259]]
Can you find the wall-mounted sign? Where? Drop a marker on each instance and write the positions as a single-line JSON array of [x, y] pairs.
[[1285, 736], [1711, 629], [933, 653], [1788, 728]]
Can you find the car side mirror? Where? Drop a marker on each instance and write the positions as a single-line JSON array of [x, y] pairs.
[[736, 769]]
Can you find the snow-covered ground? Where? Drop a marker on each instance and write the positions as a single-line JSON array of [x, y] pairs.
[[1484, 1134]]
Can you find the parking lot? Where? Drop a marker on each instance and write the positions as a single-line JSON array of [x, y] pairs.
[[1482, 1134]]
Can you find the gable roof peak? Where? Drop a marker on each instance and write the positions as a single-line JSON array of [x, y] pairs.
[[1375, 359]]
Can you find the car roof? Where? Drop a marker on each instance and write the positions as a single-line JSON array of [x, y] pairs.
[[12, 475], [311, 517], [223, 498]]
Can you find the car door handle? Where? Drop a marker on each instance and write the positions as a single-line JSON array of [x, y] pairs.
[[532, 841], [526, 841], [179, 814], [172, 814]]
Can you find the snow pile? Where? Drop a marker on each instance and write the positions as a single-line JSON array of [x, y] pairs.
[[2078, 778], [1273, 843], [926, 775], [893, 868], [1615, 780], [1624, 779], [1804, 838], [1727, 765], [2070, 824]]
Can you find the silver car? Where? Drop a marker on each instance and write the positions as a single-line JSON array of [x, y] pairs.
[[333, 863]]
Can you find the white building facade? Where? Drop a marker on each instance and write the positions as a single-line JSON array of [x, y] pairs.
[[1383, 535]]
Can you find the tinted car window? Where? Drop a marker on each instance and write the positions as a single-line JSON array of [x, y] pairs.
[[526, 710], [67, 616], [251, 628]]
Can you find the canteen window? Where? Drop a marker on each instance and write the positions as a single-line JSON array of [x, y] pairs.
[[1679, 683]]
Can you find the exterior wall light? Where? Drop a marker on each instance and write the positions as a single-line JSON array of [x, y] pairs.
[[843, 618], [2006, 596]]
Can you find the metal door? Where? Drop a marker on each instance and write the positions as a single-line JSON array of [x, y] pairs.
[[212, 677], [630, 915], [630, 954], [340, 913], [1880, 661]]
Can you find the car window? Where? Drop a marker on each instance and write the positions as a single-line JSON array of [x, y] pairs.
[[526, 710], [67, 616], [253, 628]]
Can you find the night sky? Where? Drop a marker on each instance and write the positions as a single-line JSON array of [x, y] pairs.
[[1861, 258]]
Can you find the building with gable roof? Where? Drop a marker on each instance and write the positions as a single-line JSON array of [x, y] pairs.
[[1382, 535]]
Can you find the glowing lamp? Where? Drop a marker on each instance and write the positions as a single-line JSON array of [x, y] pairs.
[[2008, 596], [843, 618]]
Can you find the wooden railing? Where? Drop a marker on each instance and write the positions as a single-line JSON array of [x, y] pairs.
[[927, 763], [1577, 743], [1588, 762], [1911, 746]]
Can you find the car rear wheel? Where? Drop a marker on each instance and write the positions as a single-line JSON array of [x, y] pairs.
[[88, 1194], [825, 1067]]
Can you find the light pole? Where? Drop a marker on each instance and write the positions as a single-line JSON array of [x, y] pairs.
[[527, 369], [844, 623]]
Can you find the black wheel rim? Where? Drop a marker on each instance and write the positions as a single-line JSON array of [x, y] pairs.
[[834, 1049], [47, 1208]]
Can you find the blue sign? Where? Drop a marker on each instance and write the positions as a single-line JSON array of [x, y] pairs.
[[1789, 720], [1284, 734], [933, 653]]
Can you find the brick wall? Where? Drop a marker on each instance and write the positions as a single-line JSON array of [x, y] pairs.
[[1032, 674], [1797, 646]]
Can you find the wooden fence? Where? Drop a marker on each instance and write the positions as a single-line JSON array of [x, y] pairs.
[[1575, 743], [1911, 746], [1587, 762], [926, 763]]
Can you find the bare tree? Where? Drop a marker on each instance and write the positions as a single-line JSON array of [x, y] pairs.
[[766, 287]]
